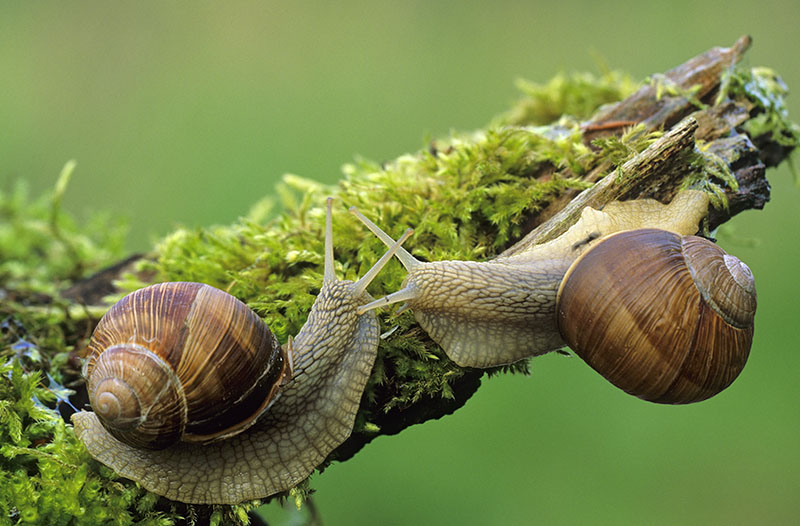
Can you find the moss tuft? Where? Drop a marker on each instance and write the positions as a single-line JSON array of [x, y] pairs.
[[576, 94], [767, 93], [46, 475], [43, 249]]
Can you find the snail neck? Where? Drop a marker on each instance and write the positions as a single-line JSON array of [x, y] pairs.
[[332, 358], [490, 313], [332, 325]]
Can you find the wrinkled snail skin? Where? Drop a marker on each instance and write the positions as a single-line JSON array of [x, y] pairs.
[[491, 313], [331, 359]]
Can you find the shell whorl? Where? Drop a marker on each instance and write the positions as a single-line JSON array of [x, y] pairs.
[[116, 403], [725, 282], [137, 396]]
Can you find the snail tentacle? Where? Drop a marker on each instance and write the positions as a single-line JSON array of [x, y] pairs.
[[405, 257], [366, 279]]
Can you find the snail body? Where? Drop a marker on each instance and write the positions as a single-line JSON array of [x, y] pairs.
[[486, 314], [323, 374]]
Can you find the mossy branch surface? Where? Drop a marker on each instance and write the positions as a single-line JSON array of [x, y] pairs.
[[580, 140]]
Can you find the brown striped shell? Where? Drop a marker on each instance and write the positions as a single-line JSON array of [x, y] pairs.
[[667, 318], [181, 362]]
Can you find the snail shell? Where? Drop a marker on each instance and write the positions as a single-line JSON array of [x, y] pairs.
[[181, 362], [664, 317]]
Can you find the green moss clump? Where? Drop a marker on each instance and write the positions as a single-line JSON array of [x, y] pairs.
[[664, 86], [616, 150], [712, 174], [576, 94], [48, 478], [767, 93], [46, 475], [43, 249]]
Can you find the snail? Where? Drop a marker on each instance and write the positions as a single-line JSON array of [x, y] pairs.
[[194, 399], [660, 313]]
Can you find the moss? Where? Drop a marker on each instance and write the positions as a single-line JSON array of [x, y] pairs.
[[616, 150], [664, 86], [576, 94], [46, 475], [767, 93], [712, 174], [43, 249]]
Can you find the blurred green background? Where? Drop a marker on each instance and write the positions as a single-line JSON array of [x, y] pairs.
[[187, 113]]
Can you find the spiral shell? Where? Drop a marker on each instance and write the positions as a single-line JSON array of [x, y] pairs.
[[665, 317], [181, 362]]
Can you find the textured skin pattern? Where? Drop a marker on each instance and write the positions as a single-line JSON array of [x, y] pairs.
[[497, 312], [332, 359], [485, 314]]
